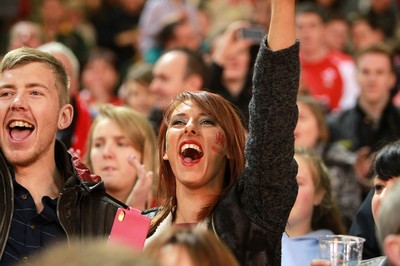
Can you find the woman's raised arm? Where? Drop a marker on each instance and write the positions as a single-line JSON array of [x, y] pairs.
[[282, 31]]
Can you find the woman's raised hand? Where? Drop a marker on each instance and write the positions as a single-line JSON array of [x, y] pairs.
[[140, 194]]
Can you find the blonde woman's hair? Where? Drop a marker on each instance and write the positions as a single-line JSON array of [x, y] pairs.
[[326, 215], [138, 130]]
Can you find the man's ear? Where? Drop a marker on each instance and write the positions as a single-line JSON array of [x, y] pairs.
[[65, 116], [392, 80], [391, 247]]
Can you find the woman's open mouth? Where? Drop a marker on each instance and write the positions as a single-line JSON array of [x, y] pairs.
[[191, 153]]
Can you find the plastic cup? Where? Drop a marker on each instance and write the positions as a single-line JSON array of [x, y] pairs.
[[341, 250]]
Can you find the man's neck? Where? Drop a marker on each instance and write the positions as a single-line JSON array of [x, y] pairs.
[[234, 86], [121, 195], [40, 179], [314, 55], [374, 109]]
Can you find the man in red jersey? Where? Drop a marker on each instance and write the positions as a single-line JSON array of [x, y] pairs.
[[327, 75]]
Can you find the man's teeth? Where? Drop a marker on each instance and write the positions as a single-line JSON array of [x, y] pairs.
[[190, 146], [20, 124]]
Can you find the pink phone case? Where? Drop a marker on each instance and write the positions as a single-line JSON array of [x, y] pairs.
[[130, 228]]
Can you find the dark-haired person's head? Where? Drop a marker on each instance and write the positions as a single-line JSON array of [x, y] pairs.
[[176, 71], [310, 27], [365, 32], [375, 75], [388, 228], [387, 170], [178, 33]]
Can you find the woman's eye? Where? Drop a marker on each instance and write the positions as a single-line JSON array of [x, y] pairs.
[[177, 122], [122, 144], [97, 144], [208, 122]]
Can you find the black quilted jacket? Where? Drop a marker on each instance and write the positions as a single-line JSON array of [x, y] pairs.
[[83, 207]]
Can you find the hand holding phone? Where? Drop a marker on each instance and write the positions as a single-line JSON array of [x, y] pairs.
[[254, 34], [130, 228]]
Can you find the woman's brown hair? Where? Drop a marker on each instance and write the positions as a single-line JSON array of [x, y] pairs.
[[203, 248], [227, 117]]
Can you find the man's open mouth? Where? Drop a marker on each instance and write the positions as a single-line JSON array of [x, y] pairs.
[[20, 130]]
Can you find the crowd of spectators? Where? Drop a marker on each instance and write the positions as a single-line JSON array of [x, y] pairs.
[[139, 54]]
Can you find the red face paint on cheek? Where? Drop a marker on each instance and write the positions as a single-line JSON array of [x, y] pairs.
[[217, 150], [220, 143], [220, 139]]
